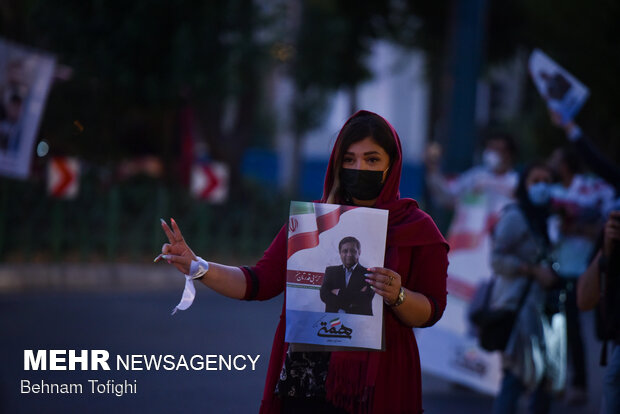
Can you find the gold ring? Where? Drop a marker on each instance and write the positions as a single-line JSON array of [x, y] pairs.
[[390, 282]]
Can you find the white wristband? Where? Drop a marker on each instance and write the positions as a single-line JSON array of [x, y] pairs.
[[198, 268]]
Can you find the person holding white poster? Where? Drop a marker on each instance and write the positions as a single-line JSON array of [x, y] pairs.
[[364, 170], [564, 94]]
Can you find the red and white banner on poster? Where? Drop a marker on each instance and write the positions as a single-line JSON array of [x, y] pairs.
[[209, 181], [63, 177]]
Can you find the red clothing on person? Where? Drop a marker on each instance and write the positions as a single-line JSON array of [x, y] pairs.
[[360, 381]]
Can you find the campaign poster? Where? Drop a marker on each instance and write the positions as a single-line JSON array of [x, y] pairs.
[[329, 305], [25, 79], [563, 93]]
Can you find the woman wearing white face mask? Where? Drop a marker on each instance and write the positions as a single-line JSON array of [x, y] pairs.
[[521, 265]]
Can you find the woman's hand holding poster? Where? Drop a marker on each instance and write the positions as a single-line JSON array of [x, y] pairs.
[[328, 301]]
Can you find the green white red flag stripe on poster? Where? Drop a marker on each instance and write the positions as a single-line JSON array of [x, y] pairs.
[[308, 220]]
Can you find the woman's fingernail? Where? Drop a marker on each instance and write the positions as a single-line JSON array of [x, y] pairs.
[[369, 281], [373, 288], [165, 256], [169, 261], [158, 258], [162, 221], [367, 274]]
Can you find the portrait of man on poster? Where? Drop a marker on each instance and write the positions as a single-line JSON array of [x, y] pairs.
[[344, 288]]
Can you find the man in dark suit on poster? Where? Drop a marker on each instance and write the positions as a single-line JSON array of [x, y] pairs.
[[344, 287]]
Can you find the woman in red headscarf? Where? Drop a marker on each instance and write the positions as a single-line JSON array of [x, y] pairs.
[[364, 169]]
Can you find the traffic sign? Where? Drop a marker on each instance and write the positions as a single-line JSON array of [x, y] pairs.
[[62, 177], [210, 181]]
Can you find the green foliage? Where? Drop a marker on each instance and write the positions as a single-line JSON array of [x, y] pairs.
[[147, 50], [333, 45], [135, 63]]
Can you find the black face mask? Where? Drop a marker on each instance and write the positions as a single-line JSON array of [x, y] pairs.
[[361, 184]]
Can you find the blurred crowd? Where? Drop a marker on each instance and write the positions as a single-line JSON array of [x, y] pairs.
[[553, 228]]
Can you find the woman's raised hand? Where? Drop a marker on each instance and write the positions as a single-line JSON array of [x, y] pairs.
[[176, 252]]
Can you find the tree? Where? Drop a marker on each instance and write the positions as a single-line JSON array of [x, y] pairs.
[[135, 62], [331, 51], [581, 37]]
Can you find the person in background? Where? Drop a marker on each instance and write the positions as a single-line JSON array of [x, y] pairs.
[[495, 179], [578, 203], [364, 170], [590, 290], [519, 259], [589, 154], [599, 285]]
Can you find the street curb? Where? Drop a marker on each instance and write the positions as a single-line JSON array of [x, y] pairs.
[[87, 276]]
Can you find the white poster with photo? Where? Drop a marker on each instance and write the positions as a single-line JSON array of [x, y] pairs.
[[328, 302], [563, 93], [25, 78]]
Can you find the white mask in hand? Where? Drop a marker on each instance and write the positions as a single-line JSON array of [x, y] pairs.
[[197, 269]]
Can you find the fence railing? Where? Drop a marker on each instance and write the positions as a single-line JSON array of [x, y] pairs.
[[120, 222]]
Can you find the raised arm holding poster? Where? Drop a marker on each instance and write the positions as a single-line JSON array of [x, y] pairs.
[[563, 93], [329, 303]]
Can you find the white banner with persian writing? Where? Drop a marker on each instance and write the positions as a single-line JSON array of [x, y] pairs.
[[449, 349]]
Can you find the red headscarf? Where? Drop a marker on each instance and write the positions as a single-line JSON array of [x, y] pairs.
[[407, 224], [351, 378]]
